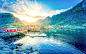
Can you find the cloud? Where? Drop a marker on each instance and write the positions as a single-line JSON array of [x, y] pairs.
[[54, 12], [39, 17], [29, 9], [3, 0]]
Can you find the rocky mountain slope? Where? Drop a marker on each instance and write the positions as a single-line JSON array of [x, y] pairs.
[[74, 16], [7, 18]]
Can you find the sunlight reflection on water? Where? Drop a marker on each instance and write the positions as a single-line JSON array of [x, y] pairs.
[[48, 45]]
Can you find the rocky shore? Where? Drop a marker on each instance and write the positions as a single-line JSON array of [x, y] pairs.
[[10, 48]]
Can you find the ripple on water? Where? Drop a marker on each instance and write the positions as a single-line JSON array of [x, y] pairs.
[[48, 45]]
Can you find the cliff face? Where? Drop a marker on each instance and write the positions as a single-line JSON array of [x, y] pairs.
[[7, 18], [74, 16], [78, 15]]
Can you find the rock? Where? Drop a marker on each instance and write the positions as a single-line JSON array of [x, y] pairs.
[[1, 40], [24, 49], [20, 50], [34, 53], [16, 50], [36, 50], [5, 49], [31, 51], [4, 46], [12, 46], [18, 53], [6, 43], [18, 47], [1, 43], [19, 44], [31, 48], [6, 52], [40, 53]]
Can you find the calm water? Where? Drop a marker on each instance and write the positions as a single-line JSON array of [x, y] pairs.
[[57, 42]]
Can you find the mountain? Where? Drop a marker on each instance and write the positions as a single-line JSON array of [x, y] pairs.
[[25, 22], [38, 22], [74, 16], [32, 23], [8, 18]]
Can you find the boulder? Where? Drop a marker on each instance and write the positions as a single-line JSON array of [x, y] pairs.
[[12, 46]]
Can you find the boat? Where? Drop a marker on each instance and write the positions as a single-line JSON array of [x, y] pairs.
[[38, 35]]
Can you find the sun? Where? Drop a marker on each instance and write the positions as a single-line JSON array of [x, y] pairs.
[[29, 19], [26, 18], [32, 13]]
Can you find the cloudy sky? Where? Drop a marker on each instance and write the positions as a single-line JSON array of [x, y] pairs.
[[32, 10]]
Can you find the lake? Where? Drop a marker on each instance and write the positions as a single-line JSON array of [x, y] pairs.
[[58, 41]]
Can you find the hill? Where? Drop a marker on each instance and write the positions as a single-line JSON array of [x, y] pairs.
[[8, 18], [74, 16]]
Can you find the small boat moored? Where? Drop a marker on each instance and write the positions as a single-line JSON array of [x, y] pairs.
[[38, 35]]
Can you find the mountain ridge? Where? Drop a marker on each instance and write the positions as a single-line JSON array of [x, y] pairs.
[[8, 18], [74, 16]]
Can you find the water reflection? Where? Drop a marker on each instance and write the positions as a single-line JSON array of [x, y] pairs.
[[76, 38], [55, 42]]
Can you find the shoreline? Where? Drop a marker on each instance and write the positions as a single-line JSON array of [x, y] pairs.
[[10, 48]]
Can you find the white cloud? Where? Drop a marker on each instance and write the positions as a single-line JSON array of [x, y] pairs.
[[11, 2], [54, 12], [3, 0], [31, 9], [21, 1]]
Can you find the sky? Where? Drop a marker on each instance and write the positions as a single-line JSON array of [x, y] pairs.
[[32, 10]]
